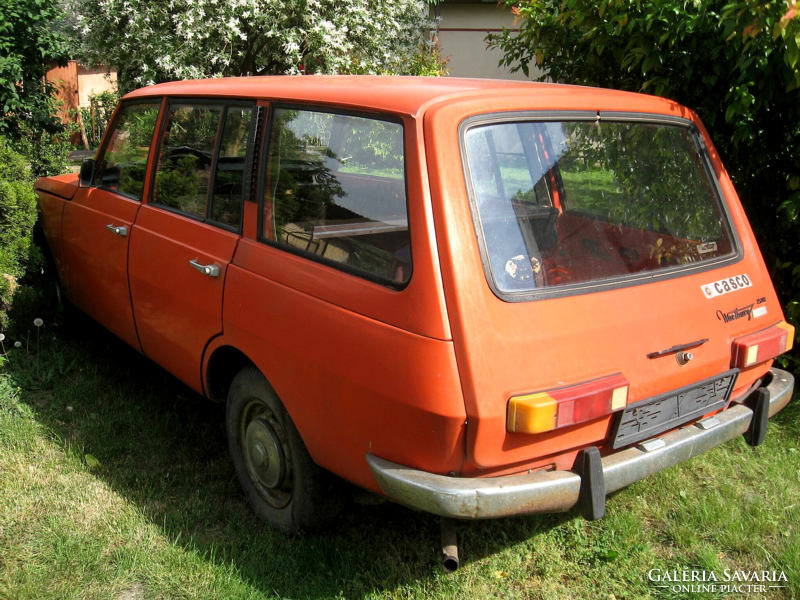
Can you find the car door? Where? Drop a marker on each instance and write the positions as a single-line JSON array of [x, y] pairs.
[[98, 222], [188, 230]]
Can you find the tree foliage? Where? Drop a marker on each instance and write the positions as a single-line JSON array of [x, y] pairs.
[[150, 41], [29, 43], [735, 62]]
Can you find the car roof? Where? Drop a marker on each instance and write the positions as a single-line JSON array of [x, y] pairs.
[[398, 94]]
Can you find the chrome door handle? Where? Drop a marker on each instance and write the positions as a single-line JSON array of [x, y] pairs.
[[210, 270], [123, 231]]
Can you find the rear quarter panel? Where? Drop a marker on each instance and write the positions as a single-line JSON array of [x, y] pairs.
[[351, 384]]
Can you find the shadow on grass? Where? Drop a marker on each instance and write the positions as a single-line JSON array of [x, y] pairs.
[[163, 448]]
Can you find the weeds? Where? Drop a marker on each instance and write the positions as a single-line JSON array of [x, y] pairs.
[[115, 479]]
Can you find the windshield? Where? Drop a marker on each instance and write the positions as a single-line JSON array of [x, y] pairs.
[[566, 203]]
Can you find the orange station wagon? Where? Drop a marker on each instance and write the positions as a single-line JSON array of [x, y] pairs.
[[476, 298]]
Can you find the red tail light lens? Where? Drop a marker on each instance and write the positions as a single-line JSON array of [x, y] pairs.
[[545, 411], [763, 345]]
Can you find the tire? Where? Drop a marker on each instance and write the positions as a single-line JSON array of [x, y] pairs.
[[56, 290], [52, 289], [284, 486]]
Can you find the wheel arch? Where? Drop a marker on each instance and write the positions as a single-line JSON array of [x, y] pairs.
[[222, 363], [40, 240], [223, 358]]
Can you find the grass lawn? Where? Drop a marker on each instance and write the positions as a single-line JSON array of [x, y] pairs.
[[161, 515], [593, 192]]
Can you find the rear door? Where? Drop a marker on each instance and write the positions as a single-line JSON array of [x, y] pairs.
[[98, 222], [187, 232], [592, 249]]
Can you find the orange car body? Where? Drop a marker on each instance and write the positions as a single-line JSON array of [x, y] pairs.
[[419, 375]]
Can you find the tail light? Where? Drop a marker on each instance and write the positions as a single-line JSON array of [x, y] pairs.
[[545, 411], [763, 345]]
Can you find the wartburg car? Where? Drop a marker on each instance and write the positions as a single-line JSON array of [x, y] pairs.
[[476, 298]]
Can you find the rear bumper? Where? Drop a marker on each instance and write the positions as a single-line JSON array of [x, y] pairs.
[[558, 491]]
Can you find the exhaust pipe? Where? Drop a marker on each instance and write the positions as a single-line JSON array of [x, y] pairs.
[[449, 545]]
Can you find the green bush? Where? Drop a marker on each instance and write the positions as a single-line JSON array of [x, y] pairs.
[[45, 143], [427, 61], [97, 117], [17, 218]]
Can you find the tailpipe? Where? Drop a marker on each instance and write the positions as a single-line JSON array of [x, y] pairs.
[[449, 545]]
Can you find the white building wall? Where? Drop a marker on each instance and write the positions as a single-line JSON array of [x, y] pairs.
[[462, 34]]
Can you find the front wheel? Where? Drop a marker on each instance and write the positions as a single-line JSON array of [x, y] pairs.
[[284, 486], [51, 289]]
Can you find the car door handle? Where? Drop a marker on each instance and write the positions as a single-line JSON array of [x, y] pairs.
[[210, 270], [123, 231]]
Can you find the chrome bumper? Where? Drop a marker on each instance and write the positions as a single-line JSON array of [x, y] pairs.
[[558, 491]]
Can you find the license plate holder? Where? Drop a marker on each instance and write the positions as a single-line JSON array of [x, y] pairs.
[[652, 416]]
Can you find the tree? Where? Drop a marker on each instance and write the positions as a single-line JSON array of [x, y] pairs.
[[736, 63], [28, 43], [150, 41]]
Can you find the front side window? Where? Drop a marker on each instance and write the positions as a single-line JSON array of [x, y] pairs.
[[124, 162], [569, 203], [187, 151], [336, 191], [202, 162]]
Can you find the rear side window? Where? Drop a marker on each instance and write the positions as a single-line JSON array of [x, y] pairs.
[[336, 192], [201, 165], [124, 162], [571, 203]]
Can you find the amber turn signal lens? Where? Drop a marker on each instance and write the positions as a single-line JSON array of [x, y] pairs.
[[546, 411], [763, 345], [533, 413]]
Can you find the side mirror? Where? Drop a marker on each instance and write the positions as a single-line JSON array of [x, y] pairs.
[[87, 172]]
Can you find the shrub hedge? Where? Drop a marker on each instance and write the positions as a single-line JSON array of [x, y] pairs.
[[17, 219]]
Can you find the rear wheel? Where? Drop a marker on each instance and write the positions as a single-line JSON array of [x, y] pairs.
[[284, 486]]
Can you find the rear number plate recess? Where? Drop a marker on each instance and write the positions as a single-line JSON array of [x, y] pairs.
[[650, 417]]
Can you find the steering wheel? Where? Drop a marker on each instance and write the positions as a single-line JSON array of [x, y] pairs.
[[203, 158]]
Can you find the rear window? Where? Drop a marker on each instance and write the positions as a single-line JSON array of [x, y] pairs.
[[563, 203]]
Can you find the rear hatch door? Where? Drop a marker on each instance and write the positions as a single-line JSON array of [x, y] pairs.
[[578, 249]]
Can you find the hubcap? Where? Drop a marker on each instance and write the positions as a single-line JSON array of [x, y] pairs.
[[265, 453]]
